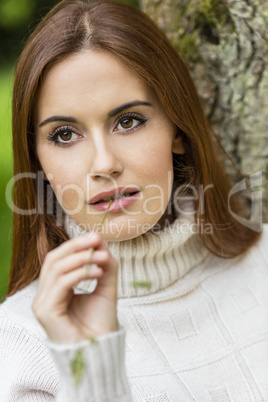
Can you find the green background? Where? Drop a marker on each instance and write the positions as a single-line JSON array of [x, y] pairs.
[[6, 78]]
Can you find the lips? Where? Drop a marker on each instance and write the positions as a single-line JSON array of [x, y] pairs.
[[122, 197]]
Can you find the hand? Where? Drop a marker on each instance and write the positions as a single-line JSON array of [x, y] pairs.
[[67, 317]]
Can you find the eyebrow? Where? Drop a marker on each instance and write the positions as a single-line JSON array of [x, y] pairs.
[[58, 118], [112, 113], [128, 106]]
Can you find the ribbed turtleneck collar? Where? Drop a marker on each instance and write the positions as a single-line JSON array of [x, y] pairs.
[[158, 258]]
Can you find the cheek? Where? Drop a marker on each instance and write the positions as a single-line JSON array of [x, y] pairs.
[[158, 164], [66, 182], [158, 180], [69, 195], [60, 171]]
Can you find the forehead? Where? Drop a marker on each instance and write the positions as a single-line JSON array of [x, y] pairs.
[[91, 76]]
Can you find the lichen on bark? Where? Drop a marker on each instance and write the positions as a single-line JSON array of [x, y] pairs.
[[225, 45]]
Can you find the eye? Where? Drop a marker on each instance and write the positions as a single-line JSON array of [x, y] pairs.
[[129, 122], [63, 136]]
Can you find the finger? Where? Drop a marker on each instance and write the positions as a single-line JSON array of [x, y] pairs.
[[61, 291], [75, 261], [73, 246], [104, 258], [100, 257], [98, 243], [69, 263], [101, 254], [68, 281]]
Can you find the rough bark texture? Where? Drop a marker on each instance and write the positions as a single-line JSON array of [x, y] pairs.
[[225, 45]]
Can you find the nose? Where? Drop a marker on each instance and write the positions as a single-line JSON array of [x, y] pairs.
[[106, 160]]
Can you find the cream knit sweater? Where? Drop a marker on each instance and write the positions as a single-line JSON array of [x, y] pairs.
[[199, 334]]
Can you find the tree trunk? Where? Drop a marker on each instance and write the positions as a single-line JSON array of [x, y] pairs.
[[225, 45]]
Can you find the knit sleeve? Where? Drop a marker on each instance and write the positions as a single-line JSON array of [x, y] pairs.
[[92, 371], [27, 371], [35, 371]]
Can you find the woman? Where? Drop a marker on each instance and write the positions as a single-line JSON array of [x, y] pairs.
[[124, 197]]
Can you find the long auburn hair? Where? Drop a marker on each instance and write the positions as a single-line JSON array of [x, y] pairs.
[[70, 27]]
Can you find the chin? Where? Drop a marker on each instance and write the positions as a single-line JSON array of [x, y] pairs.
[[126, 230]]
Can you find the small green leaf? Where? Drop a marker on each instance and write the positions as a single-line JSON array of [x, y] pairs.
[[104, 217], [142, 284], [78, 366], [92, 340]]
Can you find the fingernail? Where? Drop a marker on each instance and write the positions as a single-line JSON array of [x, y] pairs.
[[89, 235]]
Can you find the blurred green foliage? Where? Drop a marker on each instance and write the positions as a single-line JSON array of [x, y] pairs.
[[18, 18], [14, 13], [6, 78]]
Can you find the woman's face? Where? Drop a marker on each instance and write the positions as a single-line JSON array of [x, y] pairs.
[[102, 134]]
